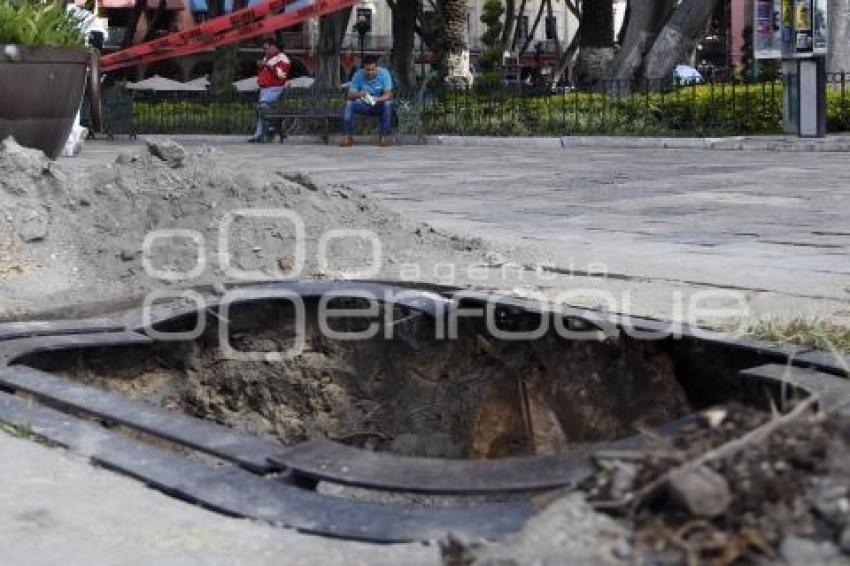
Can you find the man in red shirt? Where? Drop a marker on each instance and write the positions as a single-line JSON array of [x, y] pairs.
[[271, 78]]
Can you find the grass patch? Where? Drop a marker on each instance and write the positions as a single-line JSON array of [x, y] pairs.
[[18, 431], [802, 331]]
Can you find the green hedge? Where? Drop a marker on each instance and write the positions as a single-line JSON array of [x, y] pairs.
[[194, 117], [686, 111]]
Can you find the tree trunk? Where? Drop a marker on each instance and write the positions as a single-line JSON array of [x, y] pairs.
[[331, 32], [550, 13], [404, 34], [597, 24], [510, 23], [533, 30], [514, 36], [678, 37], [596, 40], [566, 58], [646, 17], [225, 66], [133, 23], [456, 46], [839, 36]]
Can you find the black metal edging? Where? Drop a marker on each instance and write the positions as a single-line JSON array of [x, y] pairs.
[[611, 324], [832, 393], [247, 451], [432, 303], [32, 329], [230, 490], [12, 350], [327, 460], [316, 459], [324, 459], [419, 299]]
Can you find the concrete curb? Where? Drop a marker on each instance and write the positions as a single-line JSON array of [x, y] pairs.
[[736, 143], [488, 141], [833, 144], [195, 139]]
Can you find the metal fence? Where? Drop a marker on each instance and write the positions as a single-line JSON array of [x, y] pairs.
[[649, 108], [193, 112], [661, 108]]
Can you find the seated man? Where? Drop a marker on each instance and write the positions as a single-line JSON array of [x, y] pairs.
[[370, 92]]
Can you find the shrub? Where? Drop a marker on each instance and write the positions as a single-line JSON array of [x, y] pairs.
[[33, 22], [713, 109]]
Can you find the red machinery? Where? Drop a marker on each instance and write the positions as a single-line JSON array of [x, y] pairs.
[[246, 23], [242, 24]]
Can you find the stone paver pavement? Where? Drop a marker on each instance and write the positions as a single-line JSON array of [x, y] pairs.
[[774, 226]]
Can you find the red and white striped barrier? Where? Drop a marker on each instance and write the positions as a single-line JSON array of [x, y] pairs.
[[246, 23]]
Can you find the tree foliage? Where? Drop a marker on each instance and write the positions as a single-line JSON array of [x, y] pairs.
[[491, 17], [32, 22]]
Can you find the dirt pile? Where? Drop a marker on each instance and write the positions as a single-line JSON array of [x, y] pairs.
[[783, 497], [79, 237]]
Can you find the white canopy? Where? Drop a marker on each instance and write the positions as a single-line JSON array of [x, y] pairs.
[[301, 82], [203, 81], [246, 85], [161, 83]]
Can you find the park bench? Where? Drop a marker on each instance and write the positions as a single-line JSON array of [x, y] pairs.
[[319, 111]]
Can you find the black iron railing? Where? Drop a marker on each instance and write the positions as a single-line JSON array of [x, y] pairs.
[[656, 108], [649, 108]]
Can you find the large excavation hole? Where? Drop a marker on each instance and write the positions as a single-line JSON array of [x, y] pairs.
[[474, 396]]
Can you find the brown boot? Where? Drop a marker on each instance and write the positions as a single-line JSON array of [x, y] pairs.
[[347, 141], [384, 141]]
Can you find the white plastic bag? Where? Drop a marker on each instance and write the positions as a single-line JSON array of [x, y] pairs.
[[74, 144]]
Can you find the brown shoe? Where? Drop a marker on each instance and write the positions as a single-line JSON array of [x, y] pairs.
[[347, 141], [384, 141]]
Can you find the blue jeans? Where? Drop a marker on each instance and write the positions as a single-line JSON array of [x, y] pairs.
[[384, 110], [268, 96]]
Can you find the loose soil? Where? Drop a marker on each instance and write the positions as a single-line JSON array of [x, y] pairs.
[[473, 397], [71, 238]]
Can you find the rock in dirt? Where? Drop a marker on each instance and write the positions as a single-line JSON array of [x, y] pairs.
[[830, 499], [33, 225], [167, 150], [29, 185], [623, 479], [804, 552], [129, 254], [702, 491]]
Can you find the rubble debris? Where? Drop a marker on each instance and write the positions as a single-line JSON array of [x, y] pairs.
[[171, 152], [567, 531], [784, 495], [703, 492]]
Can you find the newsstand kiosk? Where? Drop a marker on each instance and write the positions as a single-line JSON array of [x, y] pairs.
[[796, 32]]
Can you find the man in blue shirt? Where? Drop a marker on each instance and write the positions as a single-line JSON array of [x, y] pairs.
[[370, 92]]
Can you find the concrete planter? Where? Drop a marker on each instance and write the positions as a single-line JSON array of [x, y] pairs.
[[40, 88]]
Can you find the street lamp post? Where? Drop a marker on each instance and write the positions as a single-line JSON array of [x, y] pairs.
[[361, 28]]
